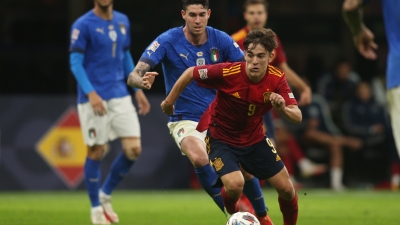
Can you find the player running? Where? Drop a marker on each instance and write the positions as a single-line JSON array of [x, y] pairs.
[[100, 61], [177, 49], [235, 139]]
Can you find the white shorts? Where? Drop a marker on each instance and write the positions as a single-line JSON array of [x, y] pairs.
[[181, 129], [121, 120], [393, 97]]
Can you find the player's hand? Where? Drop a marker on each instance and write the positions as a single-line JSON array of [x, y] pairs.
[[277, 101], [143, 103], [148, 79], [365, 44], [305, 97], [167, 108], [97, 104]]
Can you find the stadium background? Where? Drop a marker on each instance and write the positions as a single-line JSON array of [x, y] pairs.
[[37, 89]]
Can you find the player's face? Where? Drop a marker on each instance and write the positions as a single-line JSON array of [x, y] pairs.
[[196, 17], [103, 3], [257, 59], [255, 16]]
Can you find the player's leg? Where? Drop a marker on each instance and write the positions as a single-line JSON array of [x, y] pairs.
[[94, 133], [254, 194], [233, 187], [192, 144], [394, 110], [124, 123]]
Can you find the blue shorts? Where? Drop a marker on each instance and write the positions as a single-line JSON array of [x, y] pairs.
[[260, 159]]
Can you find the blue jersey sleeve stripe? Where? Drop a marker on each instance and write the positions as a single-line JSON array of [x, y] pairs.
[[76, 65], [148, 61], [129, 65], [77, 50]]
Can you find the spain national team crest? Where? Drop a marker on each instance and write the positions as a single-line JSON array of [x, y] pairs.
[[266, 96], [214, 54], [122, 28], [63, 148]]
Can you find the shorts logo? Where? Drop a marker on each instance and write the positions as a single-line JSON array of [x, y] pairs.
[[207, 141], [277, 158], [180, 132], [266, 96], [203, 73], [214, 54], [217, 164], [92, 133]]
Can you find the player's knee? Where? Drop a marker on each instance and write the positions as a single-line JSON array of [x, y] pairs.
[[199, 159], [234, 185], [133, 152], [95, 152], [286, 190]]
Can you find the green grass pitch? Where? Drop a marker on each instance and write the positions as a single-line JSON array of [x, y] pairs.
[[316, 207]]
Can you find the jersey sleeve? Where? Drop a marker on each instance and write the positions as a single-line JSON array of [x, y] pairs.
[[79, 37], [156, 51], [283, 89], [280, 56], [231, 49], [209, 76], [127, 43]]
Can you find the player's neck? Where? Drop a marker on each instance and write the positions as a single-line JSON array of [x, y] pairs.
[[195, 39], [254, 79], [104, 13]]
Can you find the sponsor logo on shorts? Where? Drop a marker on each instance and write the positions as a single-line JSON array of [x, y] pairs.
[[277, 158], [217, 164], [92, 133], [180, 132]]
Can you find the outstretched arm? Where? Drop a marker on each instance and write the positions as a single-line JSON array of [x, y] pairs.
[[140, 77], [362, 36], [184, 80]]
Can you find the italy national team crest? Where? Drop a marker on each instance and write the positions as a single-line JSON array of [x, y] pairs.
[[214, 54], [122, 28], [266, 96]]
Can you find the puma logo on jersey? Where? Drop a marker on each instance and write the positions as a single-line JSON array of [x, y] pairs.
[[236, 95], [184, 56], [100, 30]]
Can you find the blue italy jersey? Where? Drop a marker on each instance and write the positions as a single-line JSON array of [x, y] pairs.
[[391, 15], [176, 54], [103, 42]]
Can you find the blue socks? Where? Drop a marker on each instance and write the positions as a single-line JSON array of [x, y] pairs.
[[92, 179], [252, 190], [119, 169], [207, 176]]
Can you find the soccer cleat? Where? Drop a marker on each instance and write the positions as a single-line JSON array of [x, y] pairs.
[[265, 220], [97, 216], [109, 213]]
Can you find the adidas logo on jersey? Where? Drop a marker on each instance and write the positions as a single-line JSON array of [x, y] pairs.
[[236, 95]]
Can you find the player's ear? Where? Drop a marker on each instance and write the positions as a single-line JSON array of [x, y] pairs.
[[183, 13], [208, 13], [271, 56]]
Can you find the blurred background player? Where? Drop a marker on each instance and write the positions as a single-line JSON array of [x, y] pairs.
[[364, 42], [100, 61], [178, 49], [236, 141]]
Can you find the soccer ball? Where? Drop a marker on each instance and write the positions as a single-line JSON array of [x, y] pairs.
[[243, 218]]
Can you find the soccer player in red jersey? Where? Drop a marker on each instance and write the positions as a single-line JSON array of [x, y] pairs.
[[236, 142], [256, 15]]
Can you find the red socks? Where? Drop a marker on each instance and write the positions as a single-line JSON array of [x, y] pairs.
[[230, 204], [289, 210]]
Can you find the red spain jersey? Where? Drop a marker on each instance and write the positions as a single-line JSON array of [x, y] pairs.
[[280, 56], [235, 115]]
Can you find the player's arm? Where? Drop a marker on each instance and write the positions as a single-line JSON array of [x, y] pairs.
[[143, 103], [184, 80], [140, 77], [298, 83], [291, 113], [362, 36], [79, 72]]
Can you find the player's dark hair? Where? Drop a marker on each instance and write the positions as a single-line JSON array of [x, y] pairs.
[[186, 3], [254, 2], [264, 37]]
